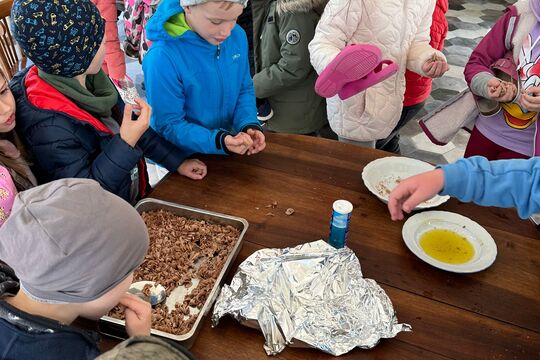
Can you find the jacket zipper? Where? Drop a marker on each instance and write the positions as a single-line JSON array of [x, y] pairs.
[[221, 95]]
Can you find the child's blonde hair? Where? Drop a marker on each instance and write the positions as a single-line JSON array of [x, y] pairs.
[[225, 4]]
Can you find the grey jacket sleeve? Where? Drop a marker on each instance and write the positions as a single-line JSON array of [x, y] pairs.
[[479, 84]]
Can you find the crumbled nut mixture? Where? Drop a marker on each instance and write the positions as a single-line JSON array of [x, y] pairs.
[[181, 250]]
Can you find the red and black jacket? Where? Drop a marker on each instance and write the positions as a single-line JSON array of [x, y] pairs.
[[65, 141]]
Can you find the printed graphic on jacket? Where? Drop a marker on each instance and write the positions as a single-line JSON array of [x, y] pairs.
[[529, 76]]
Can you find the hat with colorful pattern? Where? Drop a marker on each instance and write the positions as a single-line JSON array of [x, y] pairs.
[[61, 37]]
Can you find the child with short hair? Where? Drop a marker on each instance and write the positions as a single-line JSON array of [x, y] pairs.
[[197, 78], [508, 101], [70, 115], [503, 183], [68, 268]]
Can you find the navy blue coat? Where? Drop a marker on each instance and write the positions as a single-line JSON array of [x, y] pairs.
[[25, 336], [62, 144]]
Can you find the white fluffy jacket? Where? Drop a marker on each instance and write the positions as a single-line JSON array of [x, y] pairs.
[[400, 28]]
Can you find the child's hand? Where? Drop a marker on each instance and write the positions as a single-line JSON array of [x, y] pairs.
[[414, 190], [501, 91], [435, 67], [530, 99], [138, 315], [258, 141], [193, 169], [132, 130], [238, 144]]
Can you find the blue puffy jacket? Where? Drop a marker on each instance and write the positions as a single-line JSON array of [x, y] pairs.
[[199, 92], [64, 141]]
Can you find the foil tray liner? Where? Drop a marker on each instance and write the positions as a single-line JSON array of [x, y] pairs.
[[313, 294]]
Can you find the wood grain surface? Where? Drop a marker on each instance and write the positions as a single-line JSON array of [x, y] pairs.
[[492, 314]]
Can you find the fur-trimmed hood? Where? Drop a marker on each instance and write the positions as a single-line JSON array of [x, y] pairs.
[[284, 6], [526, 21]]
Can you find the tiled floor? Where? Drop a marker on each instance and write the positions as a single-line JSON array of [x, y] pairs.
[[469, 21]]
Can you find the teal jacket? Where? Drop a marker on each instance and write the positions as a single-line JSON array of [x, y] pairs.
[[199, 92]]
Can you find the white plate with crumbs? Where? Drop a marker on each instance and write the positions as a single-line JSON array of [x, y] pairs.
[[381, 176], [449, 241]]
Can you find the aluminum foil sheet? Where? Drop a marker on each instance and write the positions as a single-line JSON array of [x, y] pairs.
[[312, 294]]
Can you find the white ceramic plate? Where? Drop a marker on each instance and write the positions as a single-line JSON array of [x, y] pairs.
[[381, 176], [485, 249]]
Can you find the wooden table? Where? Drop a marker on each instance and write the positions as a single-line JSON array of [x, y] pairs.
[[493, 314]]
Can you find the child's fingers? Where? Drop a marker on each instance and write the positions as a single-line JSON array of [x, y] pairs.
[[248, 141], [440, 69], [145, 109], [524, 100], [535, 91], [140, 307], [400, 193], [199, 162], [394, 206], [141, 102], [533, 100], [494, 82], [416, 198], [128, 109], [428, 65], [203, 171], [261, 146], [436, 69], [236, 141]]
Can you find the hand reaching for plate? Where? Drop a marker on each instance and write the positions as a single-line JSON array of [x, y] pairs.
[[414, 190]]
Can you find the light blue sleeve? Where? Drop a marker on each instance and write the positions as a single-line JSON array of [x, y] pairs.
[[165, 93], [502, 183]]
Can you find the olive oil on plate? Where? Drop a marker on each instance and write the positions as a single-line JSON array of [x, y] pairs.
[[446, 246]]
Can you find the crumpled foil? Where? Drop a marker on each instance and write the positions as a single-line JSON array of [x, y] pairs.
[[312, 293]]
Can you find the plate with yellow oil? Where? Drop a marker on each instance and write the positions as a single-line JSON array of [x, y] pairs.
[[449, 241]]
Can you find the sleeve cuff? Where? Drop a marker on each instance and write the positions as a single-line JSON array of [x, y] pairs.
[[479, 84], [251, 126], [220, 141], [453, 176]]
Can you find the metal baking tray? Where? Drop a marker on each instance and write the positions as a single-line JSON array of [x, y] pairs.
[[116, 328]]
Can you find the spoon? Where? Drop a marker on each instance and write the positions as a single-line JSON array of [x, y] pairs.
[[157, 292]]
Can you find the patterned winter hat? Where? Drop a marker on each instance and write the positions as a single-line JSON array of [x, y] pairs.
[[61, 37]]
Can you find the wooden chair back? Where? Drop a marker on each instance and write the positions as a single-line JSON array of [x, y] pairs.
[[11, 58]]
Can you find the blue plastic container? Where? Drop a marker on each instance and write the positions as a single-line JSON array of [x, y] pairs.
[[339, 225]]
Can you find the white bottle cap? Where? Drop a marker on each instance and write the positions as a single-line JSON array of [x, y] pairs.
[[342, 206]]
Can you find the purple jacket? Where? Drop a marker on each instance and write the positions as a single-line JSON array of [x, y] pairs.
[[494, 46], [491, 48]]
